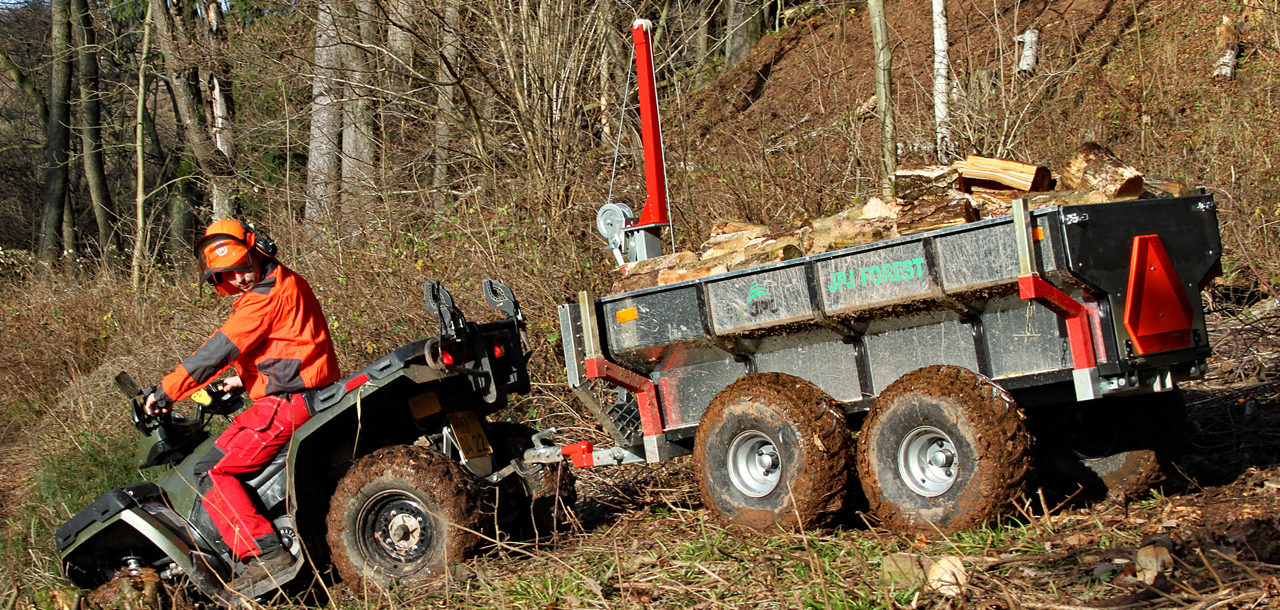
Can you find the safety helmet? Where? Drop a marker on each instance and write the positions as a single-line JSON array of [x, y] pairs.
[[227, 245]]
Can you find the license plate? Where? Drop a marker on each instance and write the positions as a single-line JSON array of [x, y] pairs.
[[469, 434]]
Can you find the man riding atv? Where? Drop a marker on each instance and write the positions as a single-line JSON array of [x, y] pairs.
[[278, 340]]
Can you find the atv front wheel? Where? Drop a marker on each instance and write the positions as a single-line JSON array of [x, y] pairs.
[[402, 514], [773, 451], [943, 449]]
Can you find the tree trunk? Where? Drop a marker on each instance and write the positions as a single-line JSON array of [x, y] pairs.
[[207, 128], [358, 126], [441, 138], [325, 141], [140, 185], [91, 127], [400, 40], [884, 93], [58, 131], [941, 81], [743, 24]]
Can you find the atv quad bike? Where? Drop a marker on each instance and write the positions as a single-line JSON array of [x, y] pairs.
[[396, 474]]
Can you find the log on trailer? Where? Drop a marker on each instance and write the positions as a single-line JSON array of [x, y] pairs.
[[1095, 168]]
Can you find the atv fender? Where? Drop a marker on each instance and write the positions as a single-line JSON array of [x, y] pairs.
[[109, 532]]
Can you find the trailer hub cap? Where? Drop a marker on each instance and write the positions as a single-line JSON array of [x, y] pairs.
[[754, 465], [927, 461]]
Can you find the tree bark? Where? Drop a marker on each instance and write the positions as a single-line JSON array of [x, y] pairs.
[[357, 121], [58, 132], [91, 127], [325, 140], [884, 93]]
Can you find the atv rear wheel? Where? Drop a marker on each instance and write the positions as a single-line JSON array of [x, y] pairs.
[[773, 451], [942, 448], [539, 499], [402, 514]]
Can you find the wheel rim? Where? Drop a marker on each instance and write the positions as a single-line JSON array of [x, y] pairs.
[[927, 461], [754, 464], [395, 531]]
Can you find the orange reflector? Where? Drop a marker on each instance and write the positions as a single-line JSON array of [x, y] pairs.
[[627, 315], [1157, 313], [1037, 234]]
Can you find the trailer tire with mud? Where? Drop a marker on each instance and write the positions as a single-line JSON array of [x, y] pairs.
[[773, 452], [402, 514], [942, 449]]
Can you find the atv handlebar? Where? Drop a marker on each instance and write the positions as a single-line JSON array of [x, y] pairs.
[[213, 399]]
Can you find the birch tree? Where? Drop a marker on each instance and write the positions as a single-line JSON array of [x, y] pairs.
[[941, 81]]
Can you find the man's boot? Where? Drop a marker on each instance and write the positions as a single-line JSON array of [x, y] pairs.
[[265, 568]]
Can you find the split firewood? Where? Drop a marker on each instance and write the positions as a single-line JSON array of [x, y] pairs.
[[1227, 49], [928, 215], [657, 263], [849, 232], [986, 172], [879, 208], [1166, 187], [931, 181], [773, 253], [1095, 168], [1044, 200], [736, 241], [671, 276], [991, 204], [636, 281]]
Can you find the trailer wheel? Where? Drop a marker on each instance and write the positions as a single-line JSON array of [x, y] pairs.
[[773, 452], [943, 449], [1115, 446], [402, 514], [539, 500]]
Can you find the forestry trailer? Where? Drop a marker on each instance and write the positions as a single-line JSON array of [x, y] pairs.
[[962, 359]]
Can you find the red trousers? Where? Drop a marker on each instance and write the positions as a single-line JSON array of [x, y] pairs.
[[254, 437]]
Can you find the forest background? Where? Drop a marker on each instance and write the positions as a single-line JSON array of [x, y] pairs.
[[383, 143]]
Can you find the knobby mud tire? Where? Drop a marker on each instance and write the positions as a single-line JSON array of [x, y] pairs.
[[539, 502], [992, 450], [813, 444], [438, 494]]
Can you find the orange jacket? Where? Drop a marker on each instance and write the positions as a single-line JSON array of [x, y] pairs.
[[276, 336]]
